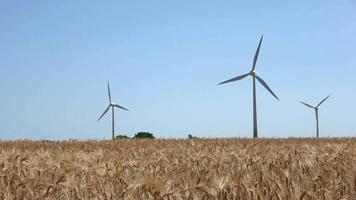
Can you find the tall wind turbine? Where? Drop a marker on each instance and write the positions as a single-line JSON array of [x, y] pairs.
[[112, 106], [316, 113], [254, 76]]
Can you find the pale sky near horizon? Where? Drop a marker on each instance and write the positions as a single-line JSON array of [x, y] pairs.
[[164, 59]]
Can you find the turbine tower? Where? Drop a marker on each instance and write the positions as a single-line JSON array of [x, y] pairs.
[[316, 113], [254, 76], [112, 106]]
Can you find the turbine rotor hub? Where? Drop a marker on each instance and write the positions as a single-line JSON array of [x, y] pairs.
[[253, 73]]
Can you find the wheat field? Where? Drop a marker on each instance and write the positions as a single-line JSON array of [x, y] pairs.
[[179, 169]]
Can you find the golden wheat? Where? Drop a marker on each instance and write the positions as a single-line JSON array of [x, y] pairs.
[[179, 169]]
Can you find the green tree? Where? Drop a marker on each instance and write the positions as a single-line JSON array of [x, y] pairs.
[[142, 135], [191, 137], [118, 137]]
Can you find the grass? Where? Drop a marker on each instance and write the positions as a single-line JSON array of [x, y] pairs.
[[179, 169]]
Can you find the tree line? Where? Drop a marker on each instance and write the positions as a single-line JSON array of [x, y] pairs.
[[144, 135]]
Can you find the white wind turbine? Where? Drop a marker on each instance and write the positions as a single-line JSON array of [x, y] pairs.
[[112, 106], [316, 109], [254, 76]]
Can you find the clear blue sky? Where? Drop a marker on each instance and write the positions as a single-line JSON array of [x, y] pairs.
[[164, 59]]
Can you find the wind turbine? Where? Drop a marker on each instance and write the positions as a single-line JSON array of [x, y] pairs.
[[316, 113], [112, 106], [254, 76]]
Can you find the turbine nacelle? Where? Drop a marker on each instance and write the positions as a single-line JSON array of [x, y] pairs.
[[253, 73]]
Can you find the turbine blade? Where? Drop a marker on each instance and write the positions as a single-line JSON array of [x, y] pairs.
[[104, 112], [234, 79], [256, 54], [306, 104], [109, 92], [118, 106], [266, 86], [322, 101]]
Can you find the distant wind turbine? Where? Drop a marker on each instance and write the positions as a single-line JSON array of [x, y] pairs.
[[316, 113], [112, 106], [254, 77]]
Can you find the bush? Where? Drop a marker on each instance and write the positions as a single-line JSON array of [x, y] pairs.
[[191, 137], [118, 137], [142, 135]]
